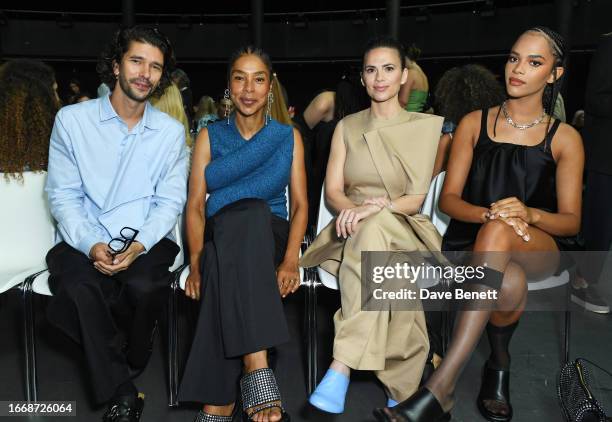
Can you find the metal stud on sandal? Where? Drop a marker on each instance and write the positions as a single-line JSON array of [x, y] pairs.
[[260, 392]]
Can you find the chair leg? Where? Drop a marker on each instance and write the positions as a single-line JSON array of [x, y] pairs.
[[173, 344], [566, 335], [312, 329], [30, 341]]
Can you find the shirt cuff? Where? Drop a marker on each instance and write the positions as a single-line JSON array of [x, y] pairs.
[[87, 243], [145, 240]]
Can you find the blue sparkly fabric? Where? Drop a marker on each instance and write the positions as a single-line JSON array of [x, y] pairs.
[[257, 168]]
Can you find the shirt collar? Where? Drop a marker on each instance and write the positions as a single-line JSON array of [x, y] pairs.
[[107, 112]]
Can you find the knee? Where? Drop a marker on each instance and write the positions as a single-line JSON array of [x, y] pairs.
[[145, 285], [494, 235]]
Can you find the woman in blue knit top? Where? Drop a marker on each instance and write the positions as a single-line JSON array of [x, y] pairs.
[[244, 246]]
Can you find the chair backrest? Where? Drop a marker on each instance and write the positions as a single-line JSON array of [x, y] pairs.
[[324, 218], [28, 230], [430, 204], [177, 231]]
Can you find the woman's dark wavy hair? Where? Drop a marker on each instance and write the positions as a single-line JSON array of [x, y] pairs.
[[385, 42], [115, 50], [28, 104], [464, 89]]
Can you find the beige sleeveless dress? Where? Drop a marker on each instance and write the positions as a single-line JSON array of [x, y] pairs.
[[393, 157]]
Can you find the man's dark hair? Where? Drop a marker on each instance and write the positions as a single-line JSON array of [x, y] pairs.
[[385, 42], [120, 44]]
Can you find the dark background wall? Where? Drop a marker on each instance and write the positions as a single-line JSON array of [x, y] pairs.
[[310, 49]]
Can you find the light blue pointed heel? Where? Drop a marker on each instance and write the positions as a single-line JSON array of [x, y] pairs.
[[391, 402], [330, 393]]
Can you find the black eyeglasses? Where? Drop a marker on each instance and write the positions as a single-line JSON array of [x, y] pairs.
[[121, 244]]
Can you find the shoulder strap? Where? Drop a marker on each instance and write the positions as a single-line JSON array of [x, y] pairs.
[[483, 122], [551, 133]]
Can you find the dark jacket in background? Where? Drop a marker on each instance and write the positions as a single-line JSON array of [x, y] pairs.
[[597, 132]]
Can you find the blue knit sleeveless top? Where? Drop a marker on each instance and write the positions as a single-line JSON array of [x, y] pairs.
[[257, 168]]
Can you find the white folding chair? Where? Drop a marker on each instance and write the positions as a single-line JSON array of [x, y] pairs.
[[178, 286], [28, 232]]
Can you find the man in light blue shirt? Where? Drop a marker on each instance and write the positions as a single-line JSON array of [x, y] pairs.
[[116, 186]]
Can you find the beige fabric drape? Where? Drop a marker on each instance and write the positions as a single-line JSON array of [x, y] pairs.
[[383, 157]]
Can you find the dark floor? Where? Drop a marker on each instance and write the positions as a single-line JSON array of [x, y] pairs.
[[536, 353]]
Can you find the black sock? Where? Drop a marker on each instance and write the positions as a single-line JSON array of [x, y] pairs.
[[126, 389], [499, 339]]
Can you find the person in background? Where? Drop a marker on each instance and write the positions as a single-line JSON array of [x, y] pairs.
[[578, 120], [181, 80], [205, 113], [74, 91], [171, 103], [318, 123], [279, 110], [83, 96], [102, 90], [460, 91], [225, 108], [597, 214], [27, 85], [413, 95]]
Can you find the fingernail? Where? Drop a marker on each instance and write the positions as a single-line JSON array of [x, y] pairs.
[[503, 214], [520, 233], [526, 238]]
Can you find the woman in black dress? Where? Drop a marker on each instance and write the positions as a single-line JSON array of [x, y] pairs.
[[513, 189]]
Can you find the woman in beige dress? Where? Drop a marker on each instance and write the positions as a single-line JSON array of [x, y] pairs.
[[378, 175]]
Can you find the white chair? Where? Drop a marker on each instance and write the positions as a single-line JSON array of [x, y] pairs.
[[178, 286], [28, 232]]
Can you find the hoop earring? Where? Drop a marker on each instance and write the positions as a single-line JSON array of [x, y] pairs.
[[269, 107], [226, 96]]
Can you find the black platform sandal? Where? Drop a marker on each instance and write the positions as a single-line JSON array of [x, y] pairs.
[[495, 387], [260, 392], [422, 406]]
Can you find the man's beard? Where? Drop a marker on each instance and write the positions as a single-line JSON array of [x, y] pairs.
[[130, 93]]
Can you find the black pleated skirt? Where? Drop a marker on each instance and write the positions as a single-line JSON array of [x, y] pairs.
[[241, 310]]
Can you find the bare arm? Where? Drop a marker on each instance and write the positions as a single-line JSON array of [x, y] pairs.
[[194, 214], [287, 273], [299, 201], [442, 154], [321, 108], [334, 178], [459, 163], [408, 204]]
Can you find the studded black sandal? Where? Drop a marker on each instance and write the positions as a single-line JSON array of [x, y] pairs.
[[260, 392]]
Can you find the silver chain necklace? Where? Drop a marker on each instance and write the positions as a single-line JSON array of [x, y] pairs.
[[517, 125]]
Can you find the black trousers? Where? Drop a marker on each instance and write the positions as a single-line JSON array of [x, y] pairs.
[[241, 310], [111, 318], [596, 222]]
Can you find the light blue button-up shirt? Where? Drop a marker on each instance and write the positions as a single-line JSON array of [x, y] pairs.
[[102, 176]]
